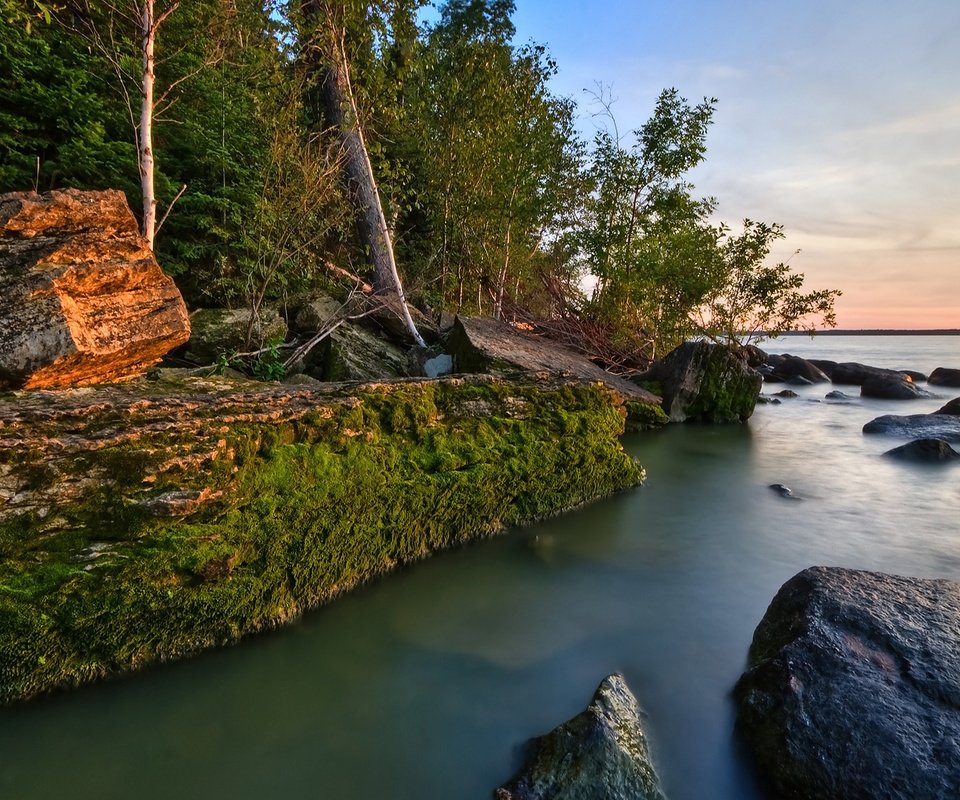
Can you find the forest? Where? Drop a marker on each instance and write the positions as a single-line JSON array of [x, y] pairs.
[[271, 149]]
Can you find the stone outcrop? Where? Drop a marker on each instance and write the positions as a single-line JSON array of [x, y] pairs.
[[853, 688], [705, 382], [891, 386], [928, 451], [944, 376], [483, 345], [917, 426], [600, 754], [82, 298], [220, 332], [149, 520]]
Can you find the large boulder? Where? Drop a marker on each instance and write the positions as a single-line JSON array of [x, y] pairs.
[[943, 376], [483, 345], [706, 382], [600, 754], [853, 688], [791, 367], [82, 298], [851, 373], [953, 407], [354, 353], [917, 426], [892, 386]]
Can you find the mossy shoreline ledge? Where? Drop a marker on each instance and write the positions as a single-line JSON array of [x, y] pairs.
[[146, 522]]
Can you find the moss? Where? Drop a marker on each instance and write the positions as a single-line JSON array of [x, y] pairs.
[[307, 509], [645, 416]]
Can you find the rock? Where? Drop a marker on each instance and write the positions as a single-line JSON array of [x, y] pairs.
[[223, 331], [480, 344], [799, 380], [851, 373], [314, 313], [766, 400], [917, 426], [788, 393], [836, 394], [784, 491], [705, 382], [942, 376], [754, 356], [916, 377], [354, 353], [388, 317], [824, 365], [301, 379], [438, 365], [953, 407], [926, 450], [82, 298], [893, 386], [853, 688], [793, 367], [600, 754]]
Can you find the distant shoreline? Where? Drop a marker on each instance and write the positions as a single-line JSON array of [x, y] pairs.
[[879, 332]]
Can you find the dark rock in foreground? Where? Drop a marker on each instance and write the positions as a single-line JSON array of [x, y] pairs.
[[705, 382], [924, 450], [953, 407], [917, 426], [600, 754], [892, 386], [942, 376], [837, 395], [853, 688]]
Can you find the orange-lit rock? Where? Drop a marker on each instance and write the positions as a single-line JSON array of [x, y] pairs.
[[82, 298]]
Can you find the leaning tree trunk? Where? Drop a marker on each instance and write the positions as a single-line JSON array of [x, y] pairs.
[[341, 110]]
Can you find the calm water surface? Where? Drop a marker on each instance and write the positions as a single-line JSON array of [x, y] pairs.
[[423, 685]]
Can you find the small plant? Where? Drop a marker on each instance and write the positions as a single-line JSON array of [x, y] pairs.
[[269, 365]]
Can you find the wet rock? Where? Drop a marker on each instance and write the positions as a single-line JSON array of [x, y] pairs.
[[836, 394], [767, 400], [788, 393], [917, 426], [953, 407], [82, 298], [851, 373], [942, 376], [793, 367], [853, 688], [924, 450], [892, 386], [824, 365], [705, 382], [916, 377], [799, 380], [784, 491], [601, 754]]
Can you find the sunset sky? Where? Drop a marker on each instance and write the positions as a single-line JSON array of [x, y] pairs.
[[839, 120]]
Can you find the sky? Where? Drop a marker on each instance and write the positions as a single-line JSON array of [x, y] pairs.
[[839, 120]]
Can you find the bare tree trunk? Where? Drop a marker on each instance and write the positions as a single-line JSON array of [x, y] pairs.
[[148, 32], [341, 108]]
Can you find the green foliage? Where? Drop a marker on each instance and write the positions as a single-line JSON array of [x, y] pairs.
[[309, 509], [753, 300]]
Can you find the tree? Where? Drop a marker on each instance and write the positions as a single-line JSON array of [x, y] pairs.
[[329, 21], [753, 301]]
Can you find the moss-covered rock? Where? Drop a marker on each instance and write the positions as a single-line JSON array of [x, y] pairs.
[[221, 331], [145, 522]]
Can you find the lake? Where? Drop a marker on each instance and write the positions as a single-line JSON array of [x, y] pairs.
[[423, 685]]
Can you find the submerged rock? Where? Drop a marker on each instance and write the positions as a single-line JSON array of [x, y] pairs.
[[600, 754], [839, 396], [917, 426], [853, 688], [706, 382], [925, 450], [82, 298], [784, 491], [943, 376], [893, 386]]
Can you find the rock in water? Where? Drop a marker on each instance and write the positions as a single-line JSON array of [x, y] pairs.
[[953, 408], [944, 376], [82, 298], [924, 450], [705, 382], [600, 754], [917, 426], [853, 688], [892, 386]]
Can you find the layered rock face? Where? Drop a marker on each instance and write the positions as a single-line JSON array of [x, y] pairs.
[[82, 298], [601, 754], [853, 688]]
